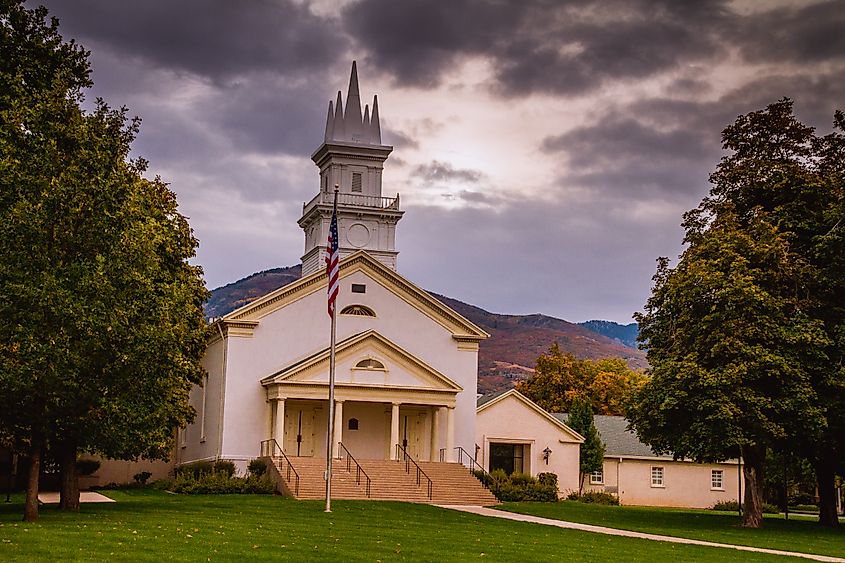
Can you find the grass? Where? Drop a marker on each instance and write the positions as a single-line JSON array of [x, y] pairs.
[[148, 525], [795, 534]]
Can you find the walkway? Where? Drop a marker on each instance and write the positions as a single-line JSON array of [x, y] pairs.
[[481, 511]]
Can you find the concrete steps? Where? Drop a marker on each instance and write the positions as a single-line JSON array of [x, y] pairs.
[[452, 483]]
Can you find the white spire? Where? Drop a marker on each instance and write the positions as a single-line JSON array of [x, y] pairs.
[[338, 129], [375, 127], [347, 124], [352, 113], [330, 123]]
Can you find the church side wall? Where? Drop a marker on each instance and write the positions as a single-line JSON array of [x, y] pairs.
[[201, 440]]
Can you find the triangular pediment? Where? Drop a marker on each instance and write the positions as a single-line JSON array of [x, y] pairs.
[[461, 328], [365, 359], [531, 406]]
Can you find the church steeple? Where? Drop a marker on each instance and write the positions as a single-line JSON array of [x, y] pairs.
[[351, 157]]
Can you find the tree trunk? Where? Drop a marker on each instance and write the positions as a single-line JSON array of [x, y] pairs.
[[30, 510], [753, 457], [826, 478], [581, 483], [70, 479]]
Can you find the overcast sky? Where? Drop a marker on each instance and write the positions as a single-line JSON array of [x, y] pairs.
[[544, 151]]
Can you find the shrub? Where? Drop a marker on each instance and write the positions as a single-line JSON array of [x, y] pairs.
[[594, 497], [770, 508], [219, 483], [257, 467], [520, 479], [195, 469], [805, 508], [224, 466], [518, 487], [549, 479], [726, 506], [87, 466], [484, 477], [142, 477]]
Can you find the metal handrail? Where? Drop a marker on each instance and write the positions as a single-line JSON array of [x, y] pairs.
[[359, 471], [420, 473], [472, 465], [269, 448]]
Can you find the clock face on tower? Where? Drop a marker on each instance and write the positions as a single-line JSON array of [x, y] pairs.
[[358, 235]]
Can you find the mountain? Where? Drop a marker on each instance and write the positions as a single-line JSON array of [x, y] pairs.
[[232, 296], [626, 334], [505, 358]]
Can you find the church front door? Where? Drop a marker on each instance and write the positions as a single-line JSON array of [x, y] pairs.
[[299, 431], [411, 433]]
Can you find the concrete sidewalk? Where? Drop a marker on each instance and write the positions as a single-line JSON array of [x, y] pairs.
[[482, 511], [84, 496]]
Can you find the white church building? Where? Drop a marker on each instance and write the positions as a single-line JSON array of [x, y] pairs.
[[407, 364]]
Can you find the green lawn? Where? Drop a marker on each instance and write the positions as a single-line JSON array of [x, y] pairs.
[[796, 534], [150, 525]]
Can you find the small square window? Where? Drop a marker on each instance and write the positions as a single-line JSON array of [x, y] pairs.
[[359, 288], [597, 478], [717, 479], [356, 182], [657, 477]]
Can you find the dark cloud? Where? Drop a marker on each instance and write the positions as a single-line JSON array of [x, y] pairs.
[[398, 139], [217, 39], [436, 171], [799, 34], [549, 47], [630, 159]]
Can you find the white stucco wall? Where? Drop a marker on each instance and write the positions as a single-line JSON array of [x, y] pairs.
[[201, 440], [301, 329], [510, 420], [685, 484]]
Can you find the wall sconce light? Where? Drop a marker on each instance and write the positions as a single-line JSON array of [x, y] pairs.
[[546, 453]]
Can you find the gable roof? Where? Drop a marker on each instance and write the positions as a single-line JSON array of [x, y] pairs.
[[490, 400], [461, 327], [350, 344]]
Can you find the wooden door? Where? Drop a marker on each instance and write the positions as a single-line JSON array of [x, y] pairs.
[[299, 431]]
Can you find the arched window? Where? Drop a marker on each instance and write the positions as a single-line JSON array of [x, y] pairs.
[[369, 363], [358, 310], [353, 424]]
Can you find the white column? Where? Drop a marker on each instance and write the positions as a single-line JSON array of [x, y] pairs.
[[279, 430], [435, 433], [338, 427], [394, 430], [450, 433]]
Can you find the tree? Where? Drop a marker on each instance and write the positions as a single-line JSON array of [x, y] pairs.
[[592, 450], [560, 378], [103, 327], [778, 167], [740, 354]]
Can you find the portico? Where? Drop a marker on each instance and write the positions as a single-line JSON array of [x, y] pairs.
[[384, 397]]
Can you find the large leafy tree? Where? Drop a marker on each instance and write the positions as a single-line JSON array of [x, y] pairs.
[[560, 378], [103, 327], [742, 333]]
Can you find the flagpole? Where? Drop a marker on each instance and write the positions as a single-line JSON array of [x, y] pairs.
[[330, 433]]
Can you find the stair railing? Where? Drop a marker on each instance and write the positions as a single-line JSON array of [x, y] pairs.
[[470, 463], [359, 471], [271, 448], [406, 457]]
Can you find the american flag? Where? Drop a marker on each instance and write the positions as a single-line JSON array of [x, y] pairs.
[[332, 260]]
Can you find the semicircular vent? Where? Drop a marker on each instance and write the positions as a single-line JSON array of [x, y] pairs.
[[369, 363], [358, 310]]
